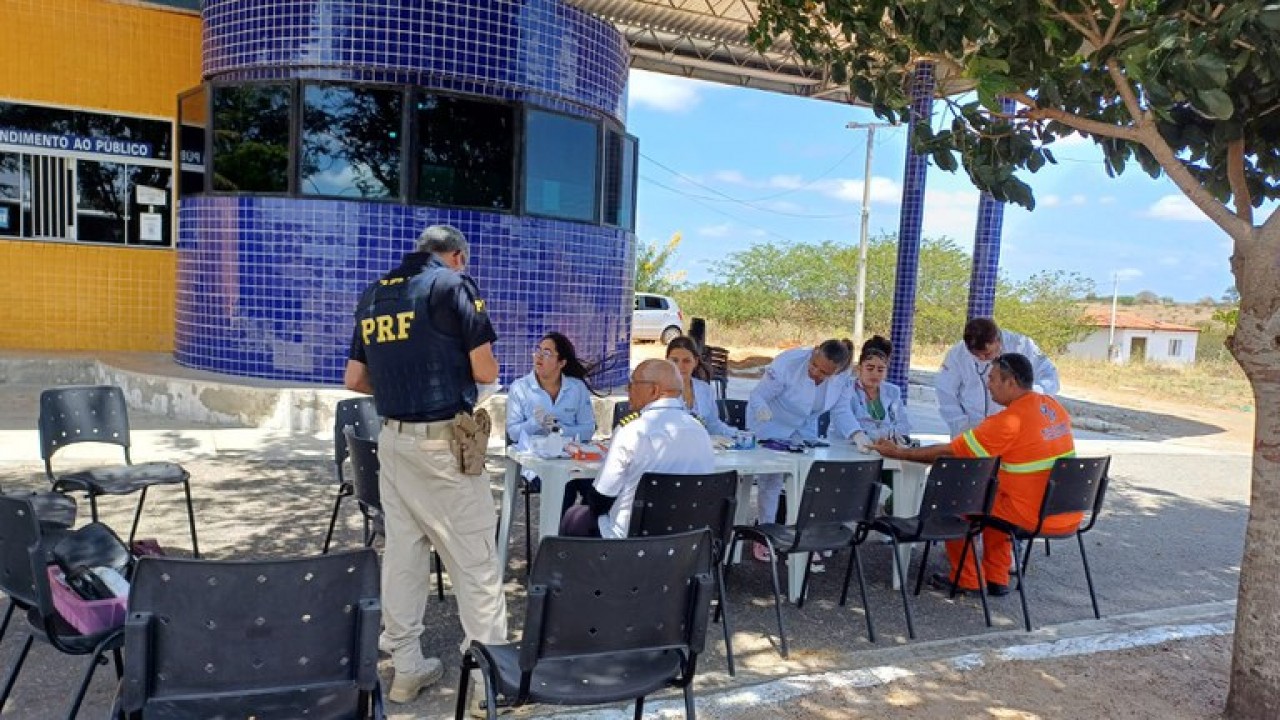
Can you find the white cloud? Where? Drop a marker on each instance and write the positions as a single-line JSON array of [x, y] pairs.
[[1128, 274], [883, 189], [1077, 200], [1072, 140], [953, 213], [716, 231], [1049, 201], [732, 177], [1175, 207], [783, 206], [1169, 260], [665, 93], [1107, 200], [786, 182]]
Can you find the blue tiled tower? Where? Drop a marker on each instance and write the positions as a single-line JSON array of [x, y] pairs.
[[267, 282]]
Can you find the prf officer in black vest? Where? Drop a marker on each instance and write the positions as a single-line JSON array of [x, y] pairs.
[[422, 342]]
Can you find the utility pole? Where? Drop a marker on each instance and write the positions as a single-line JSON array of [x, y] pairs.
[[860, 308], [1111, 333]]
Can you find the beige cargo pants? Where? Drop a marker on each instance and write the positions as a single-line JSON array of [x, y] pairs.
[[428, 502]]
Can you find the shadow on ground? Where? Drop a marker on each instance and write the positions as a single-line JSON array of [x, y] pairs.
[[1154, 547]]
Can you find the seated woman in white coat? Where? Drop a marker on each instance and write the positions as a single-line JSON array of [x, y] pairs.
[[876, 403], [796, 388], [555, 396], [698, 396]]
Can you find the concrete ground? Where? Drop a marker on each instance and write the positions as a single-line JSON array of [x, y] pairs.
[[1166, 550]]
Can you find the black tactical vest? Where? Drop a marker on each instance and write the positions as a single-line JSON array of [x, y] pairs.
[[418, 373]]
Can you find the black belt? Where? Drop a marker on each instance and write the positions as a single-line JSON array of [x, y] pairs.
[[418, 427]]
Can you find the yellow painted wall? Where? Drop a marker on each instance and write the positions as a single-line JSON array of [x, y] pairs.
[[107, 56], [64, 296]]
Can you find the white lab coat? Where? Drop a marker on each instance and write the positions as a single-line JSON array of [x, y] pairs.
[[961, 384], [706, 409], [788, 392], [895, 422]]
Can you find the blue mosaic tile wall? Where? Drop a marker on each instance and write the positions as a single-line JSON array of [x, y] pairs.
[[268, 288], [986, 249], [909, 226], [267, 285], [986, 258], [501, 48]]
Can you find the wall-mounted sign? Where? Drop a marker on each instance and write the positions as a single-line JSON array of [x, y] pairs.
[[151, 227], [75, 143], [151, 195]]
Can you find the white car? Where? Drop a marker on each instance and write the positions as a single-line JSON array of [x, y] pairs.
[[656, 317]]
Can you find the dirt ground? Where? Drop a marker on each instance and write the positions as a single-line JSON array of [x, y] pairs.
[[1178, 680]]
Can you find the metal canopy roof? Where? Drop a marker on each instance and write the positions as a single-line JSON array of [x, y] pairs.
[[707, 40]]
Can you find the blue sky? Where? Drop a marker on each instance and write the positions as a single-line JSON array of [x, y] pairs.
[[730, 167]]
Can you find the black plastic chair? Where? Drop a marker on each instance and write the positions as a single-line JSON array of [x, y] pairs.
[[98, 413], [668, 503], [24, 557], [957, 495], [621, 409], [268, 639], [1075, 485], [733, 412], [607, 620], [837, 507], [56, 513], [361, 414], [364, 480], [716, 360]]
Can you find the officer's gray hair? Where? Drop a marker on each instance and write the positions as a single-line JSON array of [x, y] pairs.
[[439, 239]]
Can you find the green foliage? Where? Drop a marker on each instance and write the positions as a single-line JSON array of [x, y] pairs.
[[652, 263], [814, 285], [1045, 307], [732, 305], [1168, 84], [1227, 318]]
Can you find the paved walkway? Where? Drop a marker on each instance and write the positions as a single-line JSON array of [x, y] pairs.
[[1169, 542]]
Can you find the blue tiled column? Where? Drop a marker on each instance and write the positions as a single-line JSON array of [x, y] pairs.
[[904, 292], [986, 250]]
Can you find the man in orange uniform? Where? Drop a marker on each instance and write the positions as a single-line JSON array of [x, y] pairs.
[[1030, 434]]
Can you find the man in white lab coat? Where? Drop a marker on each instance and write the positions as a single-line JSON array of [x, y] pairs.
[[961, 384]]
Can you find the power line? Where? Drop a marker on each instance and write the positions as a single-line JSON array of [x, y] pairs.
[[717, 210], [729, 198]]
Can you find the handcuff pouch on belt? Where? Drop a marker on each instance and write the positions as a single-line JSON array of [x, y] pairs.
[[470, 440]]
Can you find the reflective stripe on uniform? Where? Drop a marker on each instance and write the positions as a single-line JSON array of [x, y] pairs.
[[974, 446], [1035, 465]]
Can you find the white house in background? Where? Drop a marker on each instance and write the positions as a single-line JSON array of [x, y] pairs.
[[1137, 339]]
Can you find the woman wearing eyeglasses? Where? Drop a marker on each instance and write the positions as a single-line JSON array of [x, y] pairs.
[[878, 404], [554, 395], [797, 387], [698, 396]]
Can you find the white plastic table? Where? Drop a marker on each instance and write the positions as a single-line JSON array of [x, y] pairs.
[[556, 474]]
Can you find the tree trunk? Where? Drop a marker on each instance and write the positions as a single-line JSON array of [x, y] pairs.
[[1255, 664]]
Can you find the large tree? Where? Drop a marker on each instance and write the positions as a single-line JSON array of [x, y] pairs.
[[1186, 88]]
